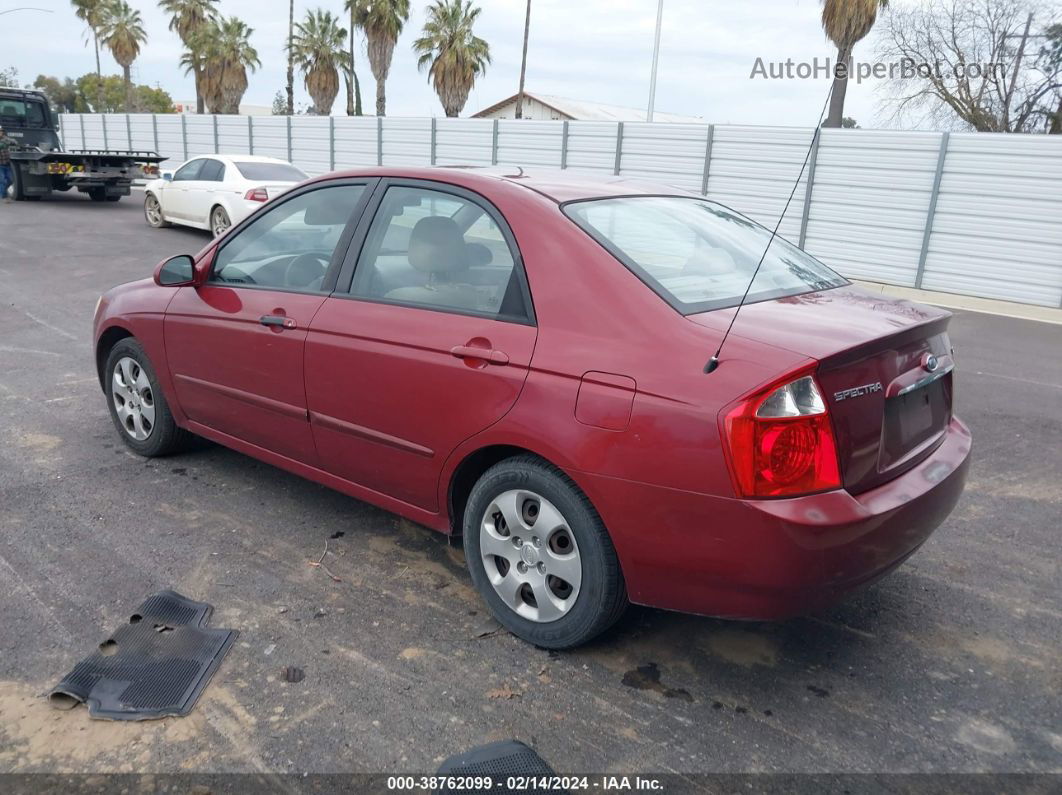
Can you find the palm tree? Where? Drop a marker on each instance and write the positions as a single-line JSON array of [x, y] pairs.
[[523, 65], [223, 51], [353, 85], [94, 14], [454, 56], [291, 58], [319, 50], [186, 18], [846, 23], [381, 21], [123, 33]]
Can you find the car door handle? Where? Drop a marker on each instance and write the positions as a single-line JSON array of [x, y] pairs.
[[483, 354], [277, 320]]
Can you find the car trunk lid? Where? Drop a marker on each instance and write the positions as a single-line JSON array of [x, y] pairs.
[[884, 366]]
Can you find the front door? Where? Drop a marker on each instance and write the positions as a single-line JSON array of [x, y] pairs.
[[235, 345], [176, 197], [431, 344]]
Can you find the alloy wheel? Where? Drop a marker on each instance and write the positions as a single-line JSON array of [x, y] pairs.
[[153, 211], [530, 555], [219, 222], [134, 401]]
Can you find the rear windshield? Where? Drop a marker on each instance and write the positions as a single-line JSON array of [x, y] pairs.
[[271, 172], [698, 255], [21, 114]]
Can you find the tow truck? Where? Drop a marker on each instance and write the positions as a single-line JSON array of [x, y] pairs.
[[39, 164]]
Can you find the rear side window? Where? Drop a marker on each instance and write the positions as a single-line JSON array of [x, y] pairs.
[[441, 251], [698, 255], [270, 172], [212, 171]]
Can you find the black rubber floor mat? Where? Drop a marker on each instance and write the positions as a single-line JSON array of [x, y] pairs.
[[156, 665], [498, 760]]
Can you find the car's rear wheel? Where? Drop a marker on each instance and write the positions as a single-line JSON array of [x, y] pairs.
[[153, 212], [138, 407], [219, 221], [540, 555]]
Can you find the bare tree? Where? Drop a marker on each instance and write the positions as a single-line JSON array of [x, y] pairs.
[[971, 63]]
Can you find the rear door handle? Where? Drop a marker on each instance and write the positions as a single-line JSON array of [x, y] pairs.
[[483, 354], [277, 320]]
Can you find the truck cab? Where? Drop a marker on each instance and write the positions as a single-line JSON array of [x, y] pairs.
[[28, 120]]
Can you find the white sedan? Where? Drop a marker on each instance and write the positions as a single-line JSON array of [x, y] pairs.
[[214, 192]]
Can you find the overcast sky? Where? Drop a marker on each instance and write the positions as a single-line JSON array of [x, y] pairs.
[[598, 50]]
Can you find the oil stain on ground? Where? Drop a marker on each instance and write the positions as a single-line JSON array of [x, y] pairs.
[[647, 677]]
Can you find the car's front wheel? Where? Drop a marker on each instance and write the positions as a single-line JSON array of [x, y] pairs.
[[219, 221], [153, 212], [138, 407], [540, 555]]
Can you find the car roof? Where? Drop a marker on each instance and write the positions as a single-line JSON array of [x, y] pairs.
[[242, 158], [556, 184]]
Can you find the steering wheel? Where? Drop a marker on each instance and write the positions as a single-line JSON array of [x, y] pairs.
[[305, 269]]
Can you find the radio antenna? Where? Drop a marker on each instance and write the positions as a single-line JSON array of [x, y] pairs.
[[713, 363]]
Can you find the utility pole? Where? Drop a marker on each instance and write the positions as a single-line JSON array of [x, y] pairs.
[[656, 60], [523, 65], [1017, 69]]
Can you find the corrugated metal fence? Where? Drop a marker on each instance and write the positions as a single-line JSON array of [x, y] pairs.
[[972, 213]]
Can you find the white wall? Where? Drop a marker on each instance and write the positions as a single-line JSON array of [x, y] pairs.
[[993, 208]]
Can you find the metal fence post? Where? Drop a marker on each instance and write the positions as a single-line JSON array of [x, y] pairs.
[[250, 135], [931, 214], [619, 147], [564, 145], [103, 119], [217, 149], [707, 159], [806, 214], [129, 130], [331, 143], [379, 140], [155, 130], [62, 129], [434, 139], [290, 148], [494, 144], [184, 134], [81, 118]]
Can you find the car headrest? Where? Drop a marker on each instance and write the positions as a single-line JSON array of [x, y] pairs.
[[437, 246], [327, 213]]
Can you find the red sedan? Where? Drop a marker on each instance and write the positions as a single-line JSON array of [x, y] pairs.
[[521, 360]]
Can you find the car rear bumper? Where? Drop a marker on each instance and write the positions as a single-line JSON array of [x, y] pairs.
[[771, 559]]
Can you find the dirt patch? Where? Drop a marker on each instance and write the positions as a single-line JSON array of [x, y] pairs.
[[743, 648]]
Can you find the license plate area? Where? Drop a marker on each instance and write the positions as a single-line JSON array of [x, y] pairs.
[[913, 421]]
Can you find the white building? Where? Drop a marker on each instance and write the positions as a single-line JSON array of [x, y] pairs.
[[550, 108]]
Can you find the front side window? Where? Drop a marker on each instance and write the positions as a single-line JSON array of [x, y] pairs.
[[441, 251], [697, 254], [289, 246], [189, 171]]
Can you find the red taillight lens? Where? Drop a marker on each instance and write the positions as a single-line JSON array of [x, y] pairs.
[[781, 442], [256, 195]]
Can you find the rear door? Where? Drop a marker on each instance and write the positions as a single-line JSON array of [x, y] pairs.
[[235, 345], [200, 193], [428, 343]]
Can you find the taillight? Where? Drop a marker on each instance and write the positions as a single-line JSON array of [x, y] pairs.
[[256, 195], [781, 442]]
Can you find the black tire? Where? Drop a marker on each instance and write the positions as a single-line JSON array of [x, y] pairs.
[[114, 197], [218, 220], [97, 194], [16, 185], [164, 437], [161, 223], [602, 596]]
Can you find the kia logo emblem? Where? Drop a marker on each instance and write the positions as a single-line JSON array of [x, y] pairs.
[[930, 363]]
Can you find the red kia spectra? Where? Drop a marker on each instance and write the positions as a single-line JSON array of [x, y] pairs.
[[521, 359]]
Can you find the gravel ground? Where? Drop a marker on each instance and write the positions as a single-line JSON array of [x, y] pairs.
[[949, 665]]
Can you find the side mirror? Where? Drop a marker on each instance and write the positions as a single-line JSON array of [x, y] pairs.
[[177, 271], [168, 176]]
